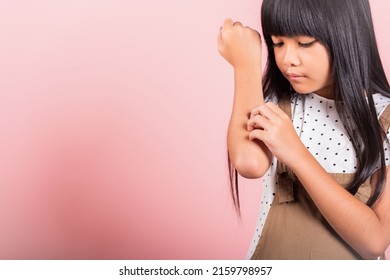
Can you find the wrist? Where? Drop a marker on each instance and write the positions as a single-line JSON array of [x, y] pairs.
[[248, 69], [305, 163]]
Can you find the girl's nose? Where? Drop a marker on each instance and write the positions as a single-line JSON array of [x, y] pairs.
[[290, 57]]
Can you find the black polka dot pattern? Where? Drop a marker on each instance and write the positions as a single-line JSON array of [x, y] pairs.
[[327, 141]]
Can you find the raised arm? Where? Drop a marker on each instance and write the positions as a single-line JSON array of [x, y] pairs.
[[241, 47]]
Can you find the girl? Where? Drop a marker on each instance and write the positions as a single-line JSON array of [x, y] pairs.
[[322, 150]]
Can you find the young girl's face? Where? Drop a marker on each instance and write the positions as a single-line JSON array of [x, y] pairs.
[[305, 63]]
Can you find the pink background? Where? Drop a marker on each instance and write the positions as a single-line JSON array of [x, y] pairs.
[[113, 117]]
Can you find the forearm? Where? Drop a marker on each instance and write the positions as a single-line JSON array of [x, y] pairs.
[[250, 158], [353, 220]]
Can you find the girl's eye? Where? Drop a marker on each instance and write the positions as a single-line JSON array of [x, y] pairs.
[[307, 45], [277, 45]]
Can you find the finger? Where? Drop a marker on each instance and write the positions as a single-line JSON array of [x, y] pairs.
[[277, 110], [227, 22], [258, 134], [255, 111], [237, 23], [258, 122], [268, 111], [252, 124], [261, 110]]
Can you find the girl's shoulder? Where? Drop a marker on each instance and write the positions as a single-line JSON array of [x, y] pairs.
[[381, 103]]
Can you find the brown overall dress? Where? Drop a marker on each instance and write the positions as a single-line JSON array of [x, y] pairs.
[[295, 229]]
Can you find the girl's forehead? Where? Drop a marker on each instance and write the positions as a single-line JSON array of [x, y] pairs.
[[292, 18], [288, 28], [298, 36]]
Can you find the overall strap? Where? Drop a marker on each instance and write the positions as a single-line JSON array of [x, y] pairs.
[[286, 178], [384, 119]]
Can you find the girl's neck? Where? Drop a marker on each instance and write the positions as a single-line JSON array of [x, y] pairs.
[[326, 92]]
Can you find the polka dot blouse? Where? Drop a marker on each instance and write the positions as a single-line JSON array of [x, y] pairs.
[[318, 125]]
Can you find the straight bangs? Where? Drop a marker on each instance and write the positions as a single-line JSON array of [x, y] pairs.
[[293, 18]]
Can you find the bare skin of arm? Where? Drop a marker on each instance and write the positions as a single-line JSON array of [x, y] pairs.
[[365, 229], [241, 47]]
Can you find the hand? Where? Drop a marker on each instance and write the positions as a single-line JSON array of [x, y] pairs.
[[269, 124], [239, 45]]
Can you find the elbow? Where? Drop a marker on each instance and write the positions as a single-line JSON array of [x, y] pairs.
[[250, 168], [373, 251], [371, 255]]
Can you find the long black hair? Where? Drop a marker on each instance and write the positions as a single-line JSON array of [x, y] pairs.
[[345, 28]]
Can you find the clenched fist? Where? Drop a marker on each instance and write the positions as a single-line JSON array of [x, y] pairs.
[[239, 45]]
